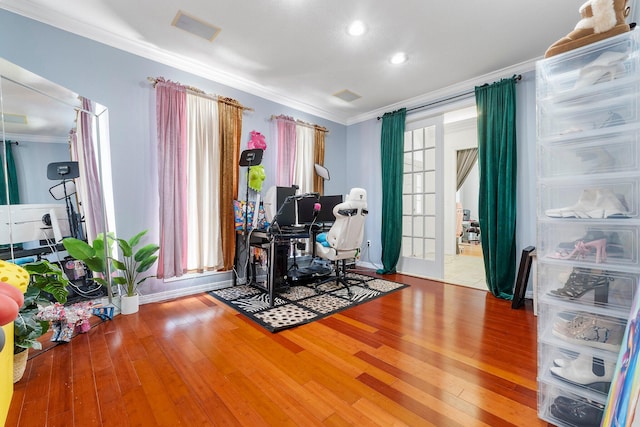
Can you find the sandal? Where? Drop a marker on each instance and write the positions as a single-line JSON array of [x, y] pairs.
[[580, 282]]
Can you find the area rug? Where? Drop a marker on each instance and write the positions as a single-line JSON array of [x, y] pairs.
[[301, 304]]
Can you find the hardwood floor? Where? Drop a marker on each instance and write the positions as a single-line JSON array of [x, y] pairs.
[[430, 354]]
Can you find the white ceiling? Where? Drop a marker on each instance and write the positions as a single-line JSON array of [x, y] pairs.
[[298, 53]]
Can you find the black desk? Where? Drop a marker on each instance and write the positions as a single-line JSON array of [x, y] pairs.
[[22, 253], [276, 243]]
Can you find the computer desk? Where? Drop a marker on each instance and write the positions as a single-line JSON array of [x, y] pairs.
[[276, 242]]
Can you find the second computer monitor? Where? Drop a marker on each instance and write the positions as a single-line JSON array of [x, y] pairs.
[[327, 203], [286, 213]]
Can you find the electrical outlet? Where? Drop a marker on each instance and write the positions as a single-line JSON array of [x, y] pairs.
[[368, 243]]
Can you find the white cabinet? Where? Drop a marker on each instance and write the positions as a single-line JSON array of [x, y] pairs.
[[588, 226]]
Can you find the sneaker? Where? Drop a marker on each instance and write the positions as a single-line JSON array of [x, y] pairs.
[[595, 331]]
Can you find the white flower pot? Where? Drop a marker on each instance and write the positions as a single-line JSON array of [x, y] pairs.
[[129, 305]]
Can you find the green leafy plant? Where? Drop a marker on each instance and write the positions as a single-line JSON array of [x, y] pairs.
[[45, 279], [132, 264]]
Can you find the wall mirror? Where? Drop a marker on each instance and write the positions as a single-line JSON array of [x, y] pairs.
[[55, 174]]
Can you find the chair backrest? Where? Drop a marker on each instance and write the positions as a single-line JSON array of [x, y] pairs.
[[347, 231]]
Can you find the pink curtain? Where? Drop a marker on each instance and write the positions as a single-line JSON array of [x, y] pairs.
[[286, 150], [171, 109], [84, 151]]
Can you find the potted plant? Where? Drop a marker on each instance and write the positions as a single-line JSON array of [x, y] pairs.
[[46, 281], [133, 263]]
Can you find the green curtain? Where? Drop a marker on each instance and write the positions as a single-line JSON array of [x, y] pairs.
[[391, 153], [496, 105], [14, 197]]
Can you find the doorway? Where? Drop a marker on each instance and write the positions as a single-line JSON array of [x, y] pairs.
[[463, 260]]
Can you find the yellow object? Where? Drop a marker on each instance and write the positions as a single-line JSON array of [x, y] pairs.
[[18, 277], [6, 373], [14, 275]]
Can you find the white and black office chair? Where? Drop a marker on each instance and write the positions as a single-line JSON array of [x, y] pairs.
[[344, 239]]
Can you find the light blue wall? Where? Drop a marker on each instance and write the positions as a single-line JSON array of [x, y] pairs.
[[118, 80]]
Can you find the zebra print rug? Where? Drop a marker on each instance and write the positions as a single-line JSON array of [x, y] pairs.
[[301, 304]]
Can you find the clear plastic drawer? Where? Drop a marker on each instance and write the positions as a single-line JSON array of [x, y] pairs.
[[560, 406], [596, 244], [612, 60], [590, 199], [588, 369], [596, 155], [570, 328], [587, 287], [597, 114]]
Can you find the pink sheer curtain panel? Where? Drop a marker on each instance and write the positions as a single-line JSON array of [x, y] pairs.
[[171, 109], [89, 182], [286, 150]]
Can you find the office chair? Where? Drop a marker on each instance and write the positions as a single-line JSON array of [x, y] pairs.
[[344, 238]]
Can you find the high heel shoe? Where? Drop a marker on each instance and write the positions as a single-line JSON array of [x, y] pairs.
[[582, 249], [580, 282]]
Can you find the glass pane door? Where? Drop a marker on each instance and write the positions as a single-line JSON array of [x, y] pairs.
[[422, 220]]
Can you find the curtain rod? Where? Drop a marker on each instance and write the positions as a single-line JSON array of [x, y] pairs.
[[517, 78], [300, 122], [12, 142], [195, 91]]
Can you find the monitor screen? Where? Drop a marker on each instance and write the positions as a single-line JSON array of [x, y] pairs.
[[327, 203], [305, 210], [26, 222], [287, 215]]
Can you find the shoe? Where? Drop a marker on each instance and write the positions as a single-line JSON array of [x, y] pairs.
[[586, 370], [601, 19], [591, 330], [593, 203], [605, 67], [583, 249], [580, 282], [614, 247], [577, 412], [613, 119]]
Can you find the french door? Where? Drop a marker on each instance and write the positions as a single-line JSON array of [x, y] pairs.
[[422, 252]]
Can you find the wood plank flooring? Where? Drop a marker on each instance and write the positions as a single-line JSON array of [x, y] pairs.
[[430, 354]]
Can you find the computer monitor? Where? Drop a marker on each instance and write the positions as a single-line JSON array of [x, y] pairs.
[[305, 210], [27, 222], [285, 213], [327, 203]]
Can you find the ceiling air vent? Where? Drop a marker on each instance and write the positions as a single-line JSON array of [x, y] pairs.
[[347, 95], [195, 26], [20, 119]]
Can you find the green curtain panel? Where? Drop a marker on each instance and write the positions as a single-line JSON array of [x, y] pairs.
[[496, 105], [391, 153], [14, 197]]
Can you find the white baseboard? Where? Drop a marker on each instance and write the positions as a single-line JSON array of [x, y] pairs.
[[183, 292]]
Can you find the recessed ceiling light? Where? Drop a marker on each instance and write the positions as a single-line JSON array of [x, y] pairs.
[[399, 58], [357, 28]]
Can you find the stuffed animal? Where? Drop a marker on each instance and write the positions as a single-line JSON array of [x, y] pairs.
[[257, 141]]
